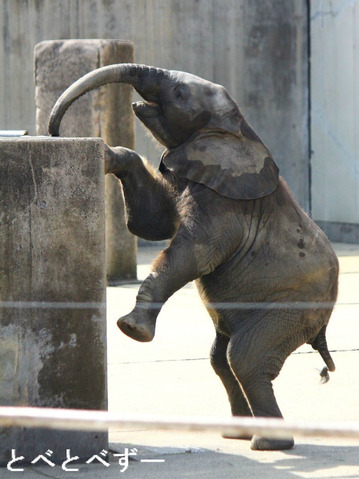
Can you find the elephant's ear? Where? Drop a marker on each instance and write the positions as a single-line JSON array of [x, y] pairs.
[[237, 167]]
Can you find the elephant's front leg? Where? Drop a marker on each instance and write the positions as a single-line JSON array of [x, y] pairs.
[[175, 267], [150, 206]]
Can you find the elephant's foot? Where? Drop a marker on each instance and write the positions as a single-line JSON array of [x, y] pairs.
[[139, 324], [266, 444], [119, 159]]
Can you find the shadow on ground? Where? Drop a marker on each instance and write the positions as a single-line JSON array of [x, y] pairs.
[[305, 460]]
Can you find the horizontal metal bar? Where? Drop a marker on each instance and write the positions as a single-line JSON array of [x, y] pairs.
[[72, 419], [50, 305], [235, 305]]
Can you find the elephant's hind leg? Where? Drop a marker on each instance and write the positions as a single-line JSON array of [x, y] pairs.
[[255, 367], [219, 362]]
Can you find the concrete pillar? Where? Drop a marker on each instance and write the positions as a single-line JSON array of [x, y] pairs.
[[105, 113], [52, 288]]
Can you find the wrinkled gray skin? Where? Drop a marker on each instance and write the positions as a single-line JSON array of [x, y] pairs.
[[242, 253]]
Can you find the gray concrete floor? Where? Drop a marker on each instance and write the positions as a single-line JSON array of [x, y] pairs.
[[172, 376]]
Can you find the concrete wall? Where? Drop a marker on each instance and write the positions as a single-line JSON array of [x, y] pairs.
[[52, 288], [334, 117], [256, 49]]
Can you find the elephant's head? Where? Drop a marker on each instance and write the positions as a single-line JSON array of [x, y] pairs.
[[207, 138]]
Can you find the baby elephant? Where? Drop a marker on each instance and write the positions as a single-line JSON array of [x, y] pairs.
[[266, 273]]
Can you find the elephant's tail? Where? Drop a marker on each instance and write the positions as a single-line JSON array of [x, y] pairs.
[[320, 344]]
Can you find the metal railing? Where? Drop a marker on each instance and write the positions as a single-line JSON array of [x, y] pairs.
[[85, 420]]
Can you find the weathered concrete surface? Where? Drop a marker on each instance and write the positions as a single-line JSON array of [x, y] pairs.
[[52, 287], [274, 83], [106, 112], [256, 49]]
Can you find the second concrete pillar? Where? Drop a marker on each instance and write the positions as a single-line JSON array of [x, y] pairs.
[[105, 113]]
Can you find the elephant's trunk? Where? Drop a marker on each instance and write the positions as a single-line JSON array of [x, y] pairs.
[[143, 78]]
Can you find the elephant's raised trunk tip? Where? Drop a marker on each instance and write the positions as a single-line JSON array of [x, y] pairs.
[[55, 120]]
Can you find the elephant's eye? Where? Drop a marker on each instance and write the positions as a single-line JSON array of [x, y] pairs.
[[181, 92]]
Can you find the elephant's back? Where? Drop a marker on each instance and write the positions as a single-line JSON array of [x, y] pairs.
[[302, 246]]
